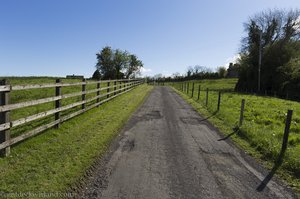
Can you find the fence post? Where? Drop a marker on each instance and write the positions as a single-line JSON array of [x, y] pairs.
[[206, 101], [98, 92], [83, 92], [120, 86], [185, 89], [4, 118], [188, 87], [193, 89], [242, 112], [287, 128], [57, 102], [198, 92], [219, 101], [115, 87], [285, 136], [108, 85]]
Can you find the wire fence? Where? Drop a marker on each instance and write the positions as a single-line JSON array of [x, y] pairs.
[[270, 125]]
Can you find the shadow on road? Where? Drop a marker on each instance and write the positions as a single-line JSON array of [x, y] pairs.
[[235, 131], [267, 179], [279, 160], [204, 119], [276, 166]]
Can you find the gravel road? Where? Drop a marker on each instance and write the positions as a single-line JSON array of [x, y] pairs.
[[167, 150]]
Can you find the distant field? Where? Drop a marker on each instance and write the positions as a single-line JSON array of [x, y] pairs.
[[264, 120], [57, 159], [215, 84]]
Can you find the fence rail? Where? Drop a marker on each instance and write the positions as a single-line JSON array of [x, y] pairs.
[[112, 90]]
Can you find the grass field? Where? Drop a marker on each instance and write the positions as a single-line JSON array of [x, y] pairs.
[[56, 159], [33, 94], [264, 121], [214, 84]]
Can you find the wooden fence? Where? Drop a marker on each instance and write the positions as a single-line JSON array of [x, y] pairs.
[[113, 89]]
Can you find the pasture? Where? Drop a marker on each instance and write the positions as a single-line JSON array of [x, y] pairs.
[[263, 125]]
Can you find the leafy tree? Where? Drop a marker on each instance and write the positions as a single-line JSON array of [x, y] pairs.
[[222, 71], [117, 64], [133, 67], [291, 75], [280, 34], [176, 75], [105, 63], [96, 75], [158, 76], [190, 71], [121, 59]]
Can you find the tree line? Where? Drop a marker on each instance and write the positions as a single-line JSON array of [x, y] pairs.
[[270, 49], [273, 36], [193, 73], [269, 57], [116, 64]]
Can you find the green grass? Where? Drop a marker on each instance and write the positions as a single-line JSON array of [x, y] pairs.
[[56, 159], [214, 84], [33, 94], [262, 131]]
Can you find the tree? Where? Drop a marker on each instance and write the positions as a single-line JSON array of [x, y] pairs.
[[176, 75], [105, 63], [117, 64], [158, 76], [221, 71], [120, 61], [190, 71], [280, 33], [96, 75], [291, 75], [133, 67]]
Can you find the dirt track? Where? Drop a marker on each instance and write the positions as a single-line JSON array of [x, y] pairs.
[[167, 150]]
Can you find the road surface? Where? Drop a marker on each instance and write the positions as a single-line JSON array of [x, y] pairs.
[[167, 150]]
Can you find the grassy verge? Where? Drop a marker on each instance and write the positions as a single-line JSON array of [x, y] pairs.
[[262, 130], [34, 94], [56, 159]]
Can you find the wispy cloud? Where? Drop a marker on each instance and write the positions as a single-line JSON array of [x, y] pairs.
[[166, 73], [145, 71], [232, 59]]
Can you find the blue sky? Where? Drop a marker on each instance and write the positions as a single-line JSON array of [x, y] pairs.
[[60, 37]]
